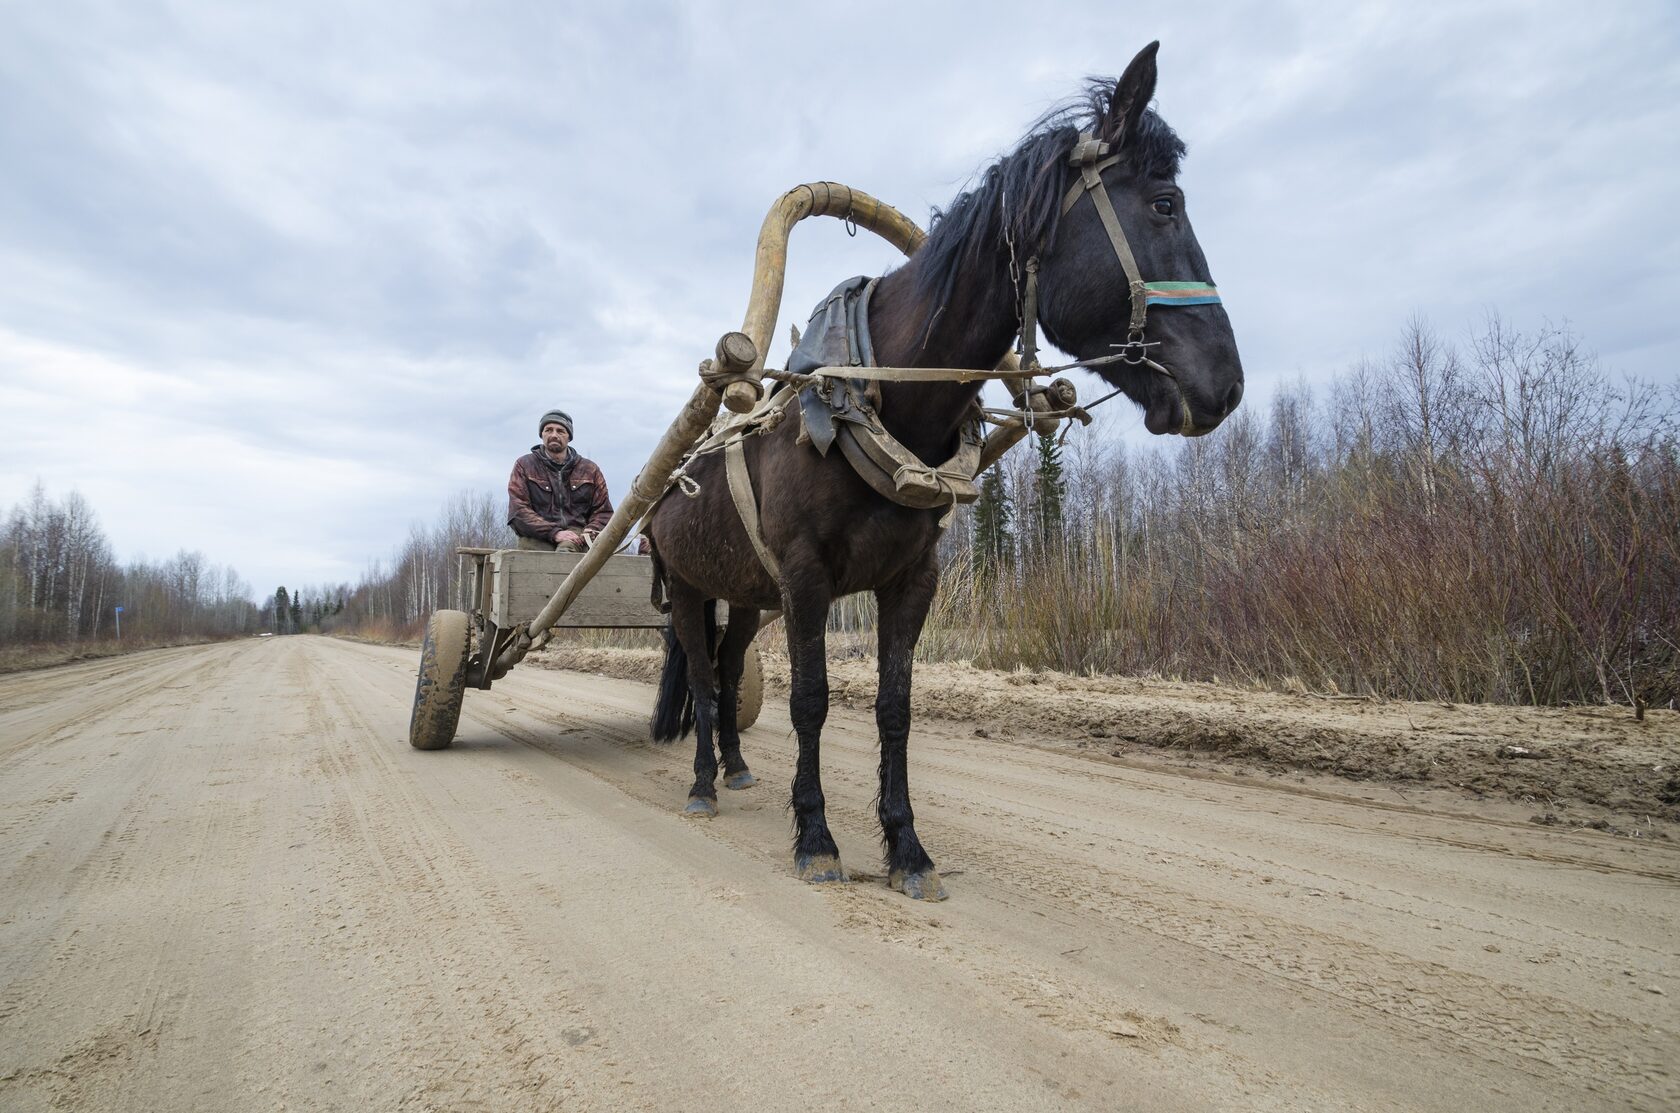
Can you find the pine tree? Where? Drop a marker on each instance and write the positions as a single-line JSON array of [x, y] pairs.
[[993, 545], [1050, 487], [282, 610]]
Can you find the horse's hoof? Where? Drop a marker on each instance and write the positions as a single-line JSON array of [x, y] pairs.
[[922, 885], [818, 869], [701, 808], [743, 779]]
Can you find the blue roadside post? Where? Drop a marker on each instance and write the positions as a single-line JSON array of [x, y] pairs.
[[119, 623]]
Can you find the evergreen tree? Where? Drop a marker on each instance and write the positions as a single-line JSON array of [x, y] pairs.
[[282, 610], [297, 613], [993, 544], [1050, 488]]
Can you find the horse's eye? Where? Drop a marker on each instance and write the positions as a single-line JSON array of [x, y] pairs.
[[1164, 206]]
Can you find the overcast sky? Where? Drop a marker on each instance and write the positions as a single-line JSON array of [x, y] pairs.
[[276, 280]]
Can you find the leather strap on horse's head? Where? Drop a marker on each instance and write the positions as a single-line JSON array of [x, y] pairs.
[[1092, 158]]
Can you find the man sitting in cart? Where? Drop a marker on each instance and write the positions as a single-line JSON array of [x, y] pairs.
[[556, 498]]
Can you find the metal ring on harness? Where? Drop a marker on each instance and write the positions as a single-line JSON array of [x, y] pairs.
[[1134, 343]]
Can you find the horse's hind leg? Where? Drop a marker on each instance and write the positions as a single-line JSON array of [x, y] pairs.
[[903, 607], [691, 621], [732, 654]]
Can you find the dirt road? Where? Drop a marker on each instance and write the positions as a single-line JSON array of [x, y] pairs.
[[227, 883]]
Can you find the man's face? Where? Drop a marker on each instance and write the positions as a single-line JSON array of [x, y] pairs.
[[555, 439]]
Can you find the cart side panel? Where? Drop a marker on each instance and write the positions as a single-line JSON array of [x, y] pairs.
[[523, 581]]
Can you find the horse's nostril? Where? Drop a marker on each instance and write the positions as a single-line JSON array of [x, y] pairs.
[[1234, 397]]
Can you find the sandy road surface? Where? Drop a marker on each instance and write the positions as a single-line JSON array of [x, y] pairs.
[[227, 883]]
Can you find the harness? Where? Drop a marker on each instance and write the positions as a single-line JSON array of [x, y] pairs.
[[846, 410], [832, 370]]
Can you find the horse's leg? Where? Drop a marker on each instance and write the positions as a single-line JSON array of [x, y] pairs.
[[690, 623], [903, 607], [732, 655], [815, 856]]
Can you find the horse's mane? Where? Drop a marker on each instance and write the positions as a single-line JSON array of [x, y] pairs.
[[1020, 194]]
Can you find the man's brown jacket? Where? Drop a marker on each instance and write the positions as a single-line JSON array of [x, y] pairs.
[[544, 497]]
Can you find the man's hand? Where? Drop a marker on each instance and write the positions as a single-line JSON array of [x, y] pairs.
[[564, 536]]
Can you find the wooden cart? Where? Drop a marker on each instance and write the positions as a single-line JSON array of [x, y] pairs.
[[503, 589]]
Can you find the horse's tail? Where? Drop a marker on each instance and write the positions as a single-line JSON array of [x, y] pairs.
[[673, 712], [673, 708]]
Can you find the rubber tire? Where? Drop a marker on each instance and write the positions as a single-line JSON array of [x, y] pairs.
[[749, 699], [442, 684]]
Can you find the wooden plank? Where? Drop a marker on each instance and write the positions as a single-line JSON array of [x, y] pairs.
[[523, 581]]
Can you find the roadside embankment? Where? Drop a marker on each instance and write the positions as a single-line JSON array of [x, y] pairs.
[[1577, 766], [19, 658]]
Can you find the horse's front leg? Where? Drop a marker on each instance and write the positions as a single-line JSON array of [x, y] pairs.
[[903, 607], [805, 600], [732, 655]]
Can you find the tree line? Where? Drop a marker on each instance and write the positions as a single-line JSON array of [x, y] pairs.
[[393, 598], [60, 583], [1497, 520]]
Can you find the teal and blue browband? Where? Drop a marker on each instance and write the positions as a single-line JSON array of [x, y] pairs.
[[1180, 293]]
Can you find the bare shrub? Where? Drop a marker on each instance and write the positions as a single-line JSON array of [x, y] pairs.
[[1499, 526]]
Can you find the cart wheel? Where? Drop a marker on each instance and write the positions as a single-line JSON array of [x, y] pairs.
[[442, 684], [749, 700]]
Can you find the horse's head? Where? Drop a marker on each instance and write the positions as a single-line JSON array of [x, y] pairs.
[[1179, 358]]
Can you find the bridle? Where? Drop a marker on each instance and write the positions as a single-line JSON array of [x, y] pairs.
[[1092, 156]]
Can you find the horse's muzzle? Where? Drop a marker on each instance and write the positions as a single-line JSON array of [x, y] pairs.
[[1175, 411]]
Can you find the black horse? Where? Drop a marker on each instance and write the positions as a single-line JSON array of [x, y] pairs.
[[956, 303]]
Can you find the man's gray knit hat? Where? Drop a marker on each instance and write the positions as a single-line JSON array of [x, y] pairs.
[[559, 416]]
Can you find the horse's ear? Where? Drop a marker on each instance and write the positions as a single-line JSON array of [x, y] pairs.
[[1132, 94]]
